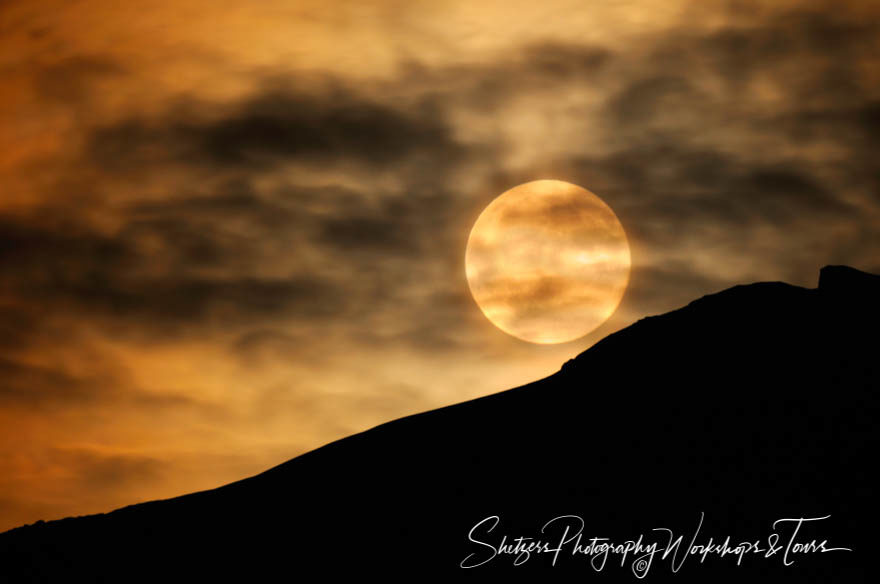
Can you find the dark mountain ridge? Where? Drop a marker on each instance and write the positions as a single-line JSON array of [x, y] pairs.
[[717, 419]]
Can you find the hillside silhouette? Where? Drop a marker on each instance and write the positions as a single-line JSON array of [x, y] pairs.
[[747, 406]]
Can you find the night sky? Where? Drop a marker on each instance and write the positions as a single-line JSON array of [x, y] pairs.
[[231, 231]]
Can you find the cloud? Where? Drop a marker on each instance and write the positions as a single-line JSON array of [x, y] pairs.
[[705, 136], [277, 125], [82, 271], [73, 80]]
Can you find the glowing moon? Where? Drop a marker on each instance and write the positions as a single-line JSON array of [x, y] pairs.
[[547, 261]]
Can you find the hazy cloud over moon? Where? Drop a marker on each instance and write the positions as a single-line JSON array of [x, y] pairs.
[[547, 261], [217, 252]]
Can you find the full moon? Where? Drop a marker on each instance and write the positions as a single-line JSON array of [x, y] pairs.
[[547, 261]]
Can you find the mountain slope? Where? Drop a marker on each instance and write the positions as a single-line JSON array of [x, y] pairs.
[[744, 407]]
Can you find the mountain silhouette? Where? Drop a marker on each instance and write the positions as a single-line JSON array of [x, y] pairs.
[[752, 405]]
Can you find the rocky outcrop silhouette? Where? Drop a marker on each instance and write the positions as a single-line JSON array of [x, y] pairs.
[[752, 405]]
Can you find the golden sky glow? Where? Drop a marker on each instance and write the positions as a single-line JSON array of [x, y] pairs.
[[231, 232]]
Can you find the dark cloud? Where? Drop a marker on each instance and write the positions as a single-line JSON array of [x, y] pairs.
[[814, 51], [570, 62], [645, 99], [402, 224], [668, 192], [360, 233], [280, 125], [147, 274], [775, 191], [196, 256], [189, 298], [485, 88], [72, 80], [35, 254], [231, 200], [16, 326], [191, 263]]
